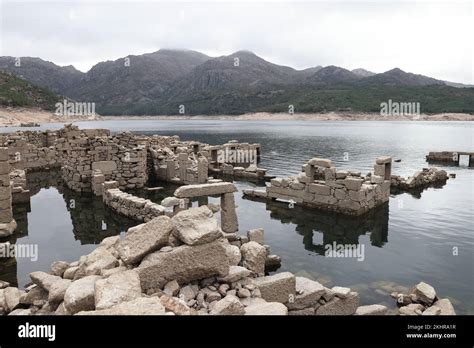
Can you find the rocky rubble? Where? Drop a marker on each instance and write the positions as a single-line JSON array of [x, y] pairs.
[[186, 265], [423, 178], [423, 300]]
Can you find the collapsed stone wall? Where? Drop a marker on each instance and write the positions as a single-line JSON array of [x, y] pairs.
[[421, 179], [323, 187]]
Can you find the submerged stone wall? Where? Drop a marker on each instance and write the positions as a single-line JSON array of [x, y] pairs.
[[323, 187], [7, 223]]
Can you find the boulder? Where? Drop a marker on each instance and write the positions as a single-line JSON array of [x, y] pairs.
[[411, 309], [229, 305], [57, 291], [145, 238], [425, 293], [308, 293], [233, 254], [256, 235], [79, 295], [35, 294], [175, 305], [433, 310], [138, 306], [374, 309], [94, 263], [446, 306], [58, 268], [340, 291], [339, 306], [235, 273], [183, 264], [196, 226], [44, 279], [11, 298], [254, 255], [171, 288], [117, 288], [280, 287], [266, 308]]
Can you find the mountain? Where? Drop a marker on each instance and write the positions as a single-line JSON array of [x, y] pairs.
[[17, 92], [163, 82], [362, 72], [135, 81], [42, 73], [331, 75], [398, 77]]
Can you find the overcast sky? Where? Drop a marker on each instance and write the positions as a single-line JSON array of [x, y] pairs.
[[429, 38]]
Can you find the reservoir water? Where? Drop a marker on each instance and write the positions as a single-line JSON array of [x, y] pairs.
[[428, 236]]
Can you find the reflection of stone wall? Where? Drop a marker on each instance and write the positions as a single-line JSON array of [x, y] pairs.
[[91, 220], [338, 228]]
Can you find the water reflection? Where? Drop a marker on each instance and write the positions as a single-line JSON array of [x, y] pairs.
[[337, 228], [89, 220]]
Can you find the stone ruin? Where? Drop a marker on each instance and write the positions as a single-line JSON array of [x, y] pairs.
[[450, 157], [7, 223], [421, 179], [320, 185]]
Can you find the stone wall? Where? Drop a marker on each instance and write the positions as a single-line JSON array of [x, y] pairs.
[[7, 223], [126, 204], [323, 187]]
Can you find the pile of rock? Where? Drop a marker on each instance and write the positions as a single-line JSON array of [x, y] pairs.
[[423, 300], [182, 265], [423, 178]]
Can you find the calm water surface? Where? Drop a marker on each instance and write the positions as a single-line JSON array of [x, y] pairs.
[[412, 239]]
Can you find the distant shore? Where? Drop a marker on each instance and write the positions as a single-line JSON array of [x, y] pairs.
[[15, 117], [331, 116]]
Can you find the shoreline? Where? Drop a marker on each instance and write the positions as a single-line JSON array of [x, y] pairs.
[[15, 117]]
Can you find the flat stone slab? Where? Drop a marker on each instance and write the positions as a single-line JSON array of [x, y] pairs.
[[183, 264], [190, 191], [268, 308], [280, 287], [196, 226], [374, 309], [145, 238]]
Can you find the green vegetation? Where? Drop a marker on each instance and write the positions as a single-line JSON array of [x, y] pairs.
[[306, 99], [16, 92]]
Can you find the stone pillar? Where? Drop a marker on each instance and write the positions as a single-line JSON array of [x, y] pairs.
[[170, 169], [183, 165], [7, 223], [97, 180], [203, 167], [383, 167], [229, 223]]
